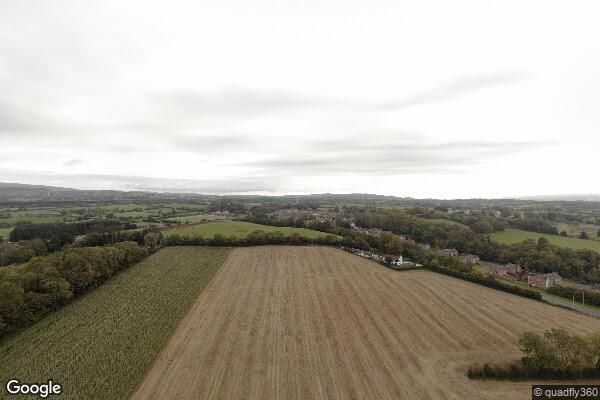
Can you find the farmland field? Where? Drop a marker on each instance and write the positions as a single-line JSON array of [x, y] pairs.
[[237, 228], [319, 323], [516, 236], [99, 346], [5, 232], [445, 221], [575, 229], [197, 218]]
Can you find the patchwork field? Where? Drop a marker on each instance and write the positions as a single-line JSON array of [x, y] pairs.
[[319, 323], [575, 229], [516, 236], [99, 346], [239, 229]]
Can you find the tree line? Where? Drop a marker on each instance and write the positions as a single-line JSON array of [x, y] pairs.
[[51, 281], [24, 251], [554, 355], [56, 235], [29, 240], [255, 238]]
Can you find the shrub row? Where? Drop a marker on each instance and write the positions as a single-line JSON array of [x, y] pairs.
[[255, 238], [488, 281], [568, 293], [518, 371]]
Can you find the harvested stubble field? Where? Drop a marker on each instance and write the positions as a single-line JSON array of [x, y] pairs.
[[99, 346], [319, 323]]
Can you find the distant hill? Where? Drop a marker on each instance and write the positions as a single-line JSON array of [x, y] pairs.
[[16, 193], [564, 197]]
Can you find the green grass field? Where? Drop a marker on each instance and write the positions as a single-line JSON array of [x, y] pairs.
[[575, 229], [516, 236], [237, 228], [132, 214], [4, 232], [445, 221], [197, 218], [99, 346]]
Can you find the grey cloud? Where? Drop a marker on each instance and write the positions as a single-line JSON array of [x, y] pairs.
[[14, 119], [211, 143], [244, 102], [145, 183], [453, 89], [236, 102], [403, 157], [182, 111], [74, 162]]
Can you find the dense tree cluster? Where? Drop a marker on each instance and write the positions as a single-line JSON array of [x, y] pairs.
[[49, 282], [226, 204], [535, 225], [554, 355], [57, 235], [106, 238], [21, 252]]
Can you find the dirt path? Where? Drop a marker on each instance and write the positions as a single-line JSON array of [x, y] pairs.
[[318, 323]]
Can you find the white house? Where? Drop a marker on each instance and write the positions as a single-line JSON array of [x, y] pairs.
[[397, 261]]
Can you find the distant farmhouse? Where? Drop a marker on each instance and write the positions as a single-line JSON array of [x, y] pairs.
[[513, 271], [498, 270], [448, 252], [469, 258], [395, 260], [544, 281]]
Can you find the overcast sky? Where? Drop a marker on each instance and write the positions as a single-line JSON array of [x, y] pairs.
[[411, 98]]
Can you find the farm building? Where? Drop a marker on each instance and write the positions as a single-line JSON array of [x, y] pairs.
[[497, 270], [374, 232], [448, 252], [514, 269], [469, 258], [544, 281], [395, 260]]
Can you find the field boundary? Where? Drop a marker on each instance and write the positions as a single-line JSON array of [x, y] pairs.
[[180, 322]]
